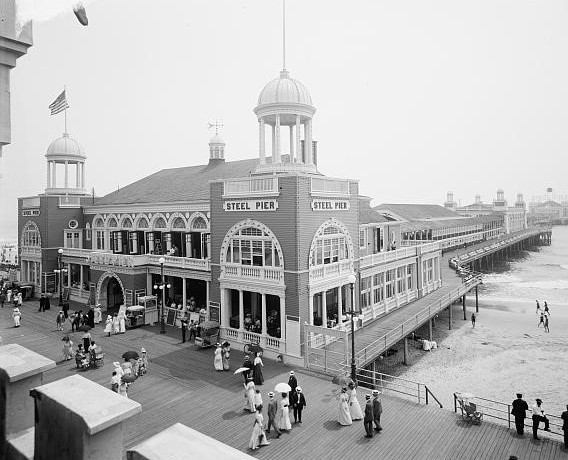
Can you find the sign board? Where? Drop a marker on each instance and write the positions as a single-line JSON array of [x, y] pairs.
[[330, 205], [250, 205], [49, 283], [128, 297], [171, 318], [214, 312], [65, 293], [30, 212]]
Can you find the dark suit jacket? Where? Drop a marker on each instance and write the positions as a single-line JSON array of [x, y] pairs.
[[298, 400], [369, 416], [377, 407], [293, 382], [272, 408], [520, 408], [564, 417]]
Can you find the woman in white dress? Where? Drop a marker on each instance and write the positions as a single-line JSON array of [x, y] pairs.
[[115, 324], [16, 316], [250, 391], [284, 420], [258, 436], [98, 314], [218, 361], [344, 417], [122, 322], [354, 406], [108, 325]]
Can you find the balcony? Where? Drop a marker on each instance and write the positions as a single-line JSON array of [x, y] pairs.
[[186, 263], [30, 252], [273, 275], [382, 258], [265, 341], [333, 270]]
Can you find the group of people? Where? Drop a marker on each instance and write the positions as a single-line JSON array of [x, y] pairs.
[[15, 297], [124, 374], [278, 411], [520, 409], [222, 358], [350, 409], [115, 324], [543, 314]]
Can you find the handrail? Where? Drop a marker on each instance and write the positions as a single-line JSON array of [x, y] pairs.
[[433, 396]]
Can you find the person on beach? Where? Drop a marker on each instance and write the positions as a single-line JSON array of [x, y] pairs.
[[354, 406], [298, 402], [546, 329], [473, 318], [272, 411], [538, 415], [537, 307], [546, 309], [344, 417], [564, 418], [520, 408], [258, 436], [377, 410], [368, 420], [541, 321]]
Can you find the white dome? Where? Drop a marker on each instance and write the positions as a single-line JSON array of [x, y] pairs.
[[65, 146], [285, 90], [216, 139]]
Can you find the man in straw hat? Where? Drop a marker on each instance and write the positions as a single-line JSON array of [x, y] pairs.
[[520, 408], [272, 409], [377, 410], [539, 416], [298, 402], [368, 420]]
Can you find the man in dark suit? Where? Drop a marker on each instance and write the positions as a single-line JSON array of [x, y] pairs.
[[42, 303], [564, 417], [47, 304], [298, 402], [368, 420], [293, 383], [520, 408], [377, 410]]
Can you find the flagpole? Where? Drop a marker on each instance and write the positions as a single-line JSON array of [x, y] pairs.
[[65, 91]]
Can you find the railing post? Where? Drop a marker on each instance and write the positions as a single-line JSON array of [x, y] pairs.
[[455, 403], [418, 393], [509, 415]]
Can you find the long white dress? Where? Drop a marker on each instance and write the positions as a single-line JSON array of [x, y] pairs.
[[354, 406], [98, 315], [16, 315], [108, 325], [250, 391], [284, 419], [115, 325], [344, 417], [122, 323], [218, 361], [258, 436]]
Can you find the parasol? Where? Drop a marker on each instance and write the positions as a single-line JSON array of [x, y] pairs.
[[241, 370], [84, 328], [130, 355], [128, 378], [341, 380], [282, 388]]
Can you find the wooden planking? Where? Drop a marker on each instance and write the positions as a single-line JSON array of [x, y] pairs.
[[182, 386]]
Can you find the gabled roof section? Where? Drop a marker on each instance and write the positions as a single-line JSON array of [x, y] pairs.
[[370, 216], [414, 212], [178, 184]]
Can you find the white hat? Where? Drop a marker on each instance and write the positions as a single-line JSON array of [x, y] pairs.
[[271, 394], [291, 372], [376, 392], [143, 350], [298, 389]]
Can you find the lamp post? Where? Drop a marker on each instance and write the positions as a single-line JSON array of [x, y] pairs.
[[163, 287], [351, 279], [60, 270]]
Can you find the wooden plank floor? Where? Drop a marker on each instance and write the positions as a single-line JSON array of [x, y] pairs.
[[182, 386]]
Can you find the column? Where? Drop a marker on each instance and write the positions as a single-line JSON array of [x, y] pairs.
[[476, 301], [292, 160], [282, 318], [225, 314], [69, 275], [308, 140], [324, 309], [340, 305], [273, 143], [83, 176], [184, 292], [262, 141], [53, 174], [278, 149], [66, 174], [241, 311], [263, 295], [463, 305], [207, 290], [78, 175], [430, 329], [298, 144], [48, 183], [311, 308], [81, 277]]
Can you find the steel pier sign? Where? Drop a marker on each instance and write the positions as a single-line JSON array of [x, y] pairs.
[[250, 205], [330, 205]]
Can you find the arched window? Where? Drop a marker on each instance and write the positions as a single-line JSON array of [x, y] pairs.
[[199, 224], [112, 223], [331, 244], [179, 223], [127, 223], [160, 223], [30, 235], [253, 246], [143, 223], [99, 223]]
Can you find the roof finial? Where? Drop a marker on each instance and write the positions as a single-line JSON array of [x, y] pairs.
[[217, 125], [283, 34]]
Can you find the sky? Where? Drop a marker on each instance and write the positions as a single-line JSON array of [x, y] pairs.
[[414, 98]]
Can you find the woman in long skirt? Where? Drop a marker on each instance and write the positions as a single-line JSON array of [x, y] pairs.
[[258, 436], [67, 348], [115, 324], [108, 325], [16, 316], [344, 417], [226, 355], [284, 420], [218, 361], [122, 322], [250, 391], [354, 406], [98, 314], [257, 370]]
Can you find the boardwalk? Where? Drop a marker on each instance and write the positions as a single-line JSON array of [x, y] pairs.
[[182, 386]]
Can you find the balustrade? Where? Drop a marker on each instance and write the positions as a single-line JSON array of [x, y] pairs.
[[258, 273]]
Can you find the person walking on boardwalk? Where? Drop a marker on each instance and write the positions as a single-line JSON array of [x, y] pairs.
[[298, 402], [272, 411], [473, 318], [108, 325], [257, 370], [284, 414], [67, 348], [218, 361], [354, 406], [60, 320], [183, 322], [368, 420], [344, 417], [292, 382], [47, 305], [16, 316], [519, 411], [546, 329], [250, 390], [247, 363], [258, 436], [377, 410], [564, 418], [2, 298], [226, 348], [538, 415], [41, 303]]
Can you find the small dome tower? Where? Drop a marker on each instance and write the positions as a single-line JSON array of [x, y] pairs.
[[450, 203], [70, 156]]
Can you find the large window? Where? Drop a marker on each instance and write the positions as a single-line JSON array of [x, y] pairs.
[[72, 240], [30, 235], [378, 288], [390, 275], [330, 247], [100, 240], [400, 278], [252, 246], [365, 292]]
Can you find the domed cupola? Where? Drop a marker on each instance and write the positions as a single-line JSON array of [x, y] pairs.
[[286, 102], [216, 148], [70, 156]]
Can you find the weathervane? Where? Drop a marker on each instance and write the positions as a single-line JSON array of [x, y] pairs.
[[217, 125]]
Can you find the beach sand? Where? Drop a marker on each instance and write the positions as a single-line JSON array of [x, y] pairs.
[[506, 353]]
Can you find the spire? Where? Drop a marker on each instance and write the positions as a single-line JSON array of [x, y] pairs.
[[284, 35]]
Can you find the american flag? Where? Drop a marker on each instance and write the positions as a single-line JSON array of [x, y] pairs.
[[59, 105]]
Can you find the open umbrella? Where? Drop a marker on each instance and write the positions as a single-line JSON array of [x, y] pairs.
[[130, 355], [282, 388], [240, 370], [128, 378], [84, 328]]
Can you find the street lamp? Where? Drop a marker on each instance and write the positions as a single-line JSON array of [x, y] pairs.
[[60, 270], [163, 287], [351, 280]]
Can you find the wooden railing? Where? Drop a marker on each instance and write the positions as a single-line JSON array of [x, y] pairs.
[[264, 340], [388, 256]]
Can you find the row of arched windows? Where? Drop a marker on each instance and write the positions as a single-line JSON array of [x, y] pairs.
[[197, 222]]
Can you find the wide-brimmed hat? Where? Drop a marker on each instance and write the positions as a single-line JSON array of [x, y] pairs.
[[298, 389], [538, 400], [271, 394], [143, 350], [291, 372], [519, 395], [376, 392]]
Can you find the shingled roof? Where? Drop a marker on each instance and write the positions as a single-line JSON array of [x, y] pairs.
[[413, 212], [178, 184]]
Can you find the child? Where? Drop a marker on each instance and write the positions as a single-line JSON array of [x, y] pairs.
[[123, 389], [144, 359], [16, 316], [257, 399], [60, 320], [114, 382]]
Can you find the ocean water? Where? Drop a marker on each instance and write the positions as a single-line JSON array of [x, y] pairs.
[[539, 274]]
